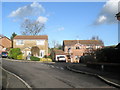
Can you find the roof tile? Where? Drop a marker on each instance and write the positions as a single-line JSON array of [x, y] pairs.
[[31, 37], [86, 42]]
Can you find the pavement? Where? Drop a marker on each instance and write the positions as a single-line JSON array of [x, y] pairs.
[[10, 80], [108, 77]]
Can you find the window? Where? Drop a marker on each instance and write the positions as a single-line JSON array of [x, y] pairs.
[[89, 47], [97, 47], [77, 47], [40, 42], [69, 50], [19, 42]]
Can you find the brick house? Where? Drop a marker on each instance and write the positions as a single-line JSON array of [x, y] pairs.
[[34, 45], [74, 49], [5, 43]]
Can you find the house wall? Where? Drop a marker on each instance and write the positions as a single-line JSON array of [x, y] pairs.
[[28, 44], [1, 49], [78, 52], [6, 42]]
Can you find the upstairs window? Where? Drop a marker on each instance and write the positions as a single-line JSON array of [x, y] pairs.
[[40, 42], [20, 42], [97, 47], [69, 50], [77, 47], [89, 47]]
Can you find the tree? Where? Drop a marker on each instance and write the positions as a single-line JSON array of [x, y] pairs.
[[13, 35], [60, 47], [56, 44], [31, 27], [95, 38]]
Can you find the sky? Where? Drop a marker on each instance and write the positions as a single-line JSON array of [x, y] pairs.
[[64, 20]]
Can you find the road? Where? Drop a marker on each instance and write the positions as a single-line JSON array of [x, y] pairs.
[[55, 75]]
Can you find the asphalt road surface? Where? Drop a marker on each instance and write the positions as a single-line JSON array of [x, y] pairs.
[[41, 75]]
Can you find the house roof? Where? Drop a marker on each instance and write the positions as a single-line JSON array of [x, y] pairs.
[[59, 52], [31, 37], [118, 46], [85, 42], [1, 37]]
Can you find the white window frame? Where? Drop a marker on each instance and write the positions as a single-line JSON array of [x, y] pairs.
[[40, 42], [19, 42], [98, 47]]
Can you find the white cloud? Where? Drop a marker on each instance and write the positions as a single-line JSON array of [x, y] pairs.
[[108, 12], [61, 29], [42, 19], [29, 10], [101, 19]]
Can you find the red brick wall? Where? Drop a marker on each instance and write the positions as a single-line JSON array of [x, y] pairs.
[[77, 52]]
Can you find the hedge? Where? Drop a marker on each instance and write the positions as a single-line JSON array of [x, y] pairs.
[[33, 58]]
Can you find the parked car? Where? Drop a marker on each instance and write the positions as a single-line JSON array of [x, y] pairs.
[[4, 54], [61, 58]]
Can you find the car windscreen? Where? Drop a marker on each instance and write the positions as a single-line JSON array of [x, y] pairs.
[[4, 53], [62, 57]]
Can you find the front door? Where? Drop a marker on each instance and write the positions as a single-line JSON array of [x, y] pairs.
[[42, 53], [35, 51]]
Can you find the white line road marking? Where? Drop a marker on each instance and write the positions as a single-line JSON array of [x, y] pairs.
[[57, 67], [52, 66], [62, 68]]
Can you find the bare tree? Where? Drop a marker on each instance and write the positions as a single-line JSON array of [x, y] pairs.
[[56, 44], [95, 38], [31, 27]]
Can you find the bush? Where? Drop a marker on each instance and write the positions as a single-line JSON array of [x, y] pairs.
[[33, 58], [47, 56], [46, 60], [85, 59], [108, 55], [14, 52], [20, 57]]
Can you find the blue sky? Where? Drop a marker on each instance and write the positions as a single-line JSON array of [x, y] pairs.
[[64, 21]]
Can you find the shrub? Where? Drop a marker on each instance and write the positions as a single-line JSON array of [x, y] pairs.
[[33, 58], [108, 55], [85, 59], [20, 56], [46, 60], [14, 52], [47, 56]]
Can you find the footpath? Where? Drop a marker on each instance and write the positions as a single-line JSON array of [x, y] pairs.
[[10, 80], [108, 77]]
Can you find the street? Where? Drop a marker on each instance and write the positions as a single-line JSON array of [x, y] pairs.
[[53, 75]]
